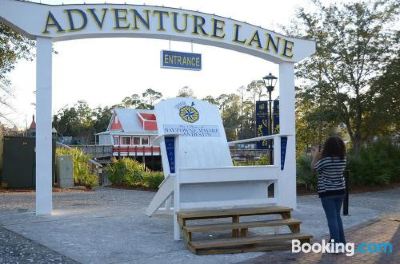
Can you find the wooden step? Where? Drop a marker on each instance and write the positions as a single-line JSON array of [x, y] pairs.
[[227, 226], [191, 215], [246, 244], [244, 249]]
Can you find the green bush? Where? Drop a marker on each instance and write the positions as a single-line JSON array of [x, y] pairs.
[[305, 174], [82, 172], [263, 160], [153, 179], [125, 171], [131, 173], [377, 164]]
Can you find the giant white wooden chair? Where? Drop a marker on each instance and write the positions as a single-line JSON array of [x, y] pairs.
[[197, 165]]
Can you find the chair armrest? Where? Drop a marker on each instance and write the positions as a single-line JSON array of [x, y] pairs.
[[228, 174]]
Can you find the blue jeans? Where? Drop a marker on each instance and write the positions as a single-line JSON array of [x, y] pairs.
[[332, 206]]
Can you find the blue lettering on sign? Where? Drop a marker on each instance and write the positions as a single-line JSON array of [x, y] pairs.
[[192, 130], [283, 151], [170, 148], [180, 60]]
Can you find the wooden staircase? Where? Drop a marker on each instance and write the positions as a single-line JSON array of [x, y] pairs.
[[240, 238]]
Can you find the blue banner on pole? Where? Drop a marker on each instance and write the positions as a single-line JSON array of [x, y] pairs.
[[283, 151], [262, 118], [180, 60], [275, 114], [170, 149]]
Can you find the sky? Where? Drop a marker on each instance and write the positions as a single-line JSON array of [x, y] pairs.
[[104, 71]]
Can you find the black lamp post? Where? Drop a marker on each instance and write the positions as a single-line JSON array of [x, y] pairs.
[[270, 82]]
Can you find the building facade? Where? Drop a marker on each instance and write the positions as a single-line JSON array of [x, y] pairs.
[[131, 132]]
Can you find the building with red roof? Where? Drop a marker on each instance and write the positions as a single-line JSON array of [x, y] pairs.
[[131, 132]]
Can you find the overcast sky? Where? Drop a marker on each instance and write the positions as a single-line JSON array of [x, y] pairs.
[[104, 71]]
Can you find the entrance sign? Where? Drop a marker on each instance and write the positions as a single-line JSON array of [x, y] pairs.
[[50, 23], [180, 60]]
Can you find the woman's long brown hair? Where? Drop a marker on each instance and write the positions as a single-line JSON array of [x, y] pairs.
[[334, 147]]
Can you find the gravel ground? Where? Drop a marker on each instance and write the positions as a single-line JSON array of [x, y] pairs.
[[18, 249]]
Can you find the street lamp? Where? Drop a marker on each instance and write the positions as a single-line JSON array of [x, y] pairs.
[[270, 82]]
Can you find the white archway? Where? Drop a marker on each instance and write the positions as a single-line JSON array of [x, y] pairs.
[[50, 23]]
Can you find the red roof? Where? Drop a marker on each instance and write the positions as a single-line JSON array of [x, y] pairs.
[[33, 124], [116, 125], [148, 121]]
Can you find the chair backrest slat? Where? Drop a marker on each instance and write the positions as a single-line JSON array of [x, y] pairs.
[[202, 142]]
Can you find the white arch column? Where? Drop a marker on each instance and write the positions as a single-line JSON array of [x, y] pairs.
[[287, 182], [44, 199]]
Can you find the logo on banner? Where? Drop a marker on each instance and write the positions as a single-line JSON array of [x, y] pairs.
[[189, 114]]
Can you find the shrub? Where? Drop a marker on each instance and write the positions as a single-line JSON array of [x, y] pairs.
[[82, 173], [377, 164], [305, 174], [152, 179], [263, 160], [131, 173], [125, 171]]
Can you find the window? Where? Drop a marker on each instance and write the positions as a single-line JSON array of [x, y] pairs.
[[136, 140], [145, 140], [126, 140], [116, 140]]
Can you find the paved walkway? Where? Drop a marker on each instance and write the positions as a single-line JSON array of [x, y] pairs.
[[385, 229], [109, 226]]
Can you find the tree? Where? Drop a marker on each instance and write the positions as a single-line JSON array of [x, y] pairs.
[[132, 101], [231, 115], [145, 101], [150, 96], [355, 43], [13, 47], [247, 120], [386, 103], [185, 91], [75, 121], [210, 99], [255, 87], [222, 100], [102, 118]]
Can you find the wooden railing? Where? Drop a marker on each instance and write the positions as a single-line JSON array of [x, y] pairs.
[[135, 151], [96, 151]]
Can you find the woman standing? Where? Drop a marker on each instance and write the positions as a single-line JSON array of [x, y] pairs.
[[330, 163]]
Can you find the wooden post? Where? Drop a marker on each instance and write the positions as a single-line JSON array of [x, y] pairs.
[[144, 156], [346, 196], [235, 232]]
